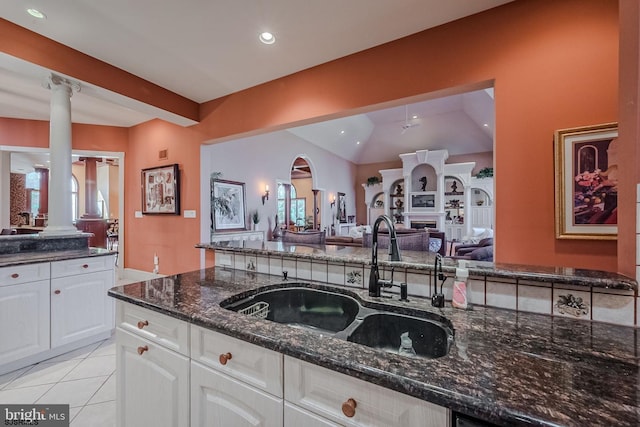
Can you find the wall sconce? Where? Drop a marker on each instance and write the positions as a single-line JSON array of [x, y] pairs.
[[333, 201], [265, 196]]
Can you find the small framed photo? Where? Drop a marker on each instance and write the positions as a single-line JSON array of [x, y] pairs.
[[586, 182], [228, 206], [161, 190]]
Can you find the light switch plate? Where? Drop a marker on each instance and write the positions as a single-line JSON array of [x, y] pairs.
[[138, 214], [190, 214]]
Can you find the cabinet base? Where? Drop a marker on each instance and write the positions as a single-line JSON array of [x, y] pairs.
[[53, 352]]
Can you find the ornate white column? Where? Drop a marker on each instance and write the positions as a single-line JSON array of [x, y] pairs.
[[60, 214]]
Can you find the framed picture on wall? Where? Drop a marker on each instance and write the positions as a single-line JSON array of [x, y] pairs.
[[161, 190], [586, 181], [342, 207], [228, 205]]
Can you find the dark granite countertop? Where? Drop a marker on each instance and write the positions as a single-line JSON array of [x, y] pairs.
[[506, 367], [34, 257], [424, 261]]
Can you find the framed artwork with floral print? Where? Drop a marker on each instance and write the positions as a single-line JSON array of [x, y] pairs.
[[586, 182]]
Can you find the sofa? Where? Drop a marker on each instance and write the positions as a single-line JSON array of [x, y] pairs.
[[481, 251], [353, 239], [411, 240]]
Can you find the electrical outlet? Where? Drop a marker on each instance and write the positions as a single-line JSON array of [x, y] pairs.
[[137, 214], [189, 213]]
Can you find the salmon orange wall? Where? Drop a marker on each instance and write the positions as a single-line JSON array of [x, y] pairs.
[[35, 133], [171, 237], [554, 65]]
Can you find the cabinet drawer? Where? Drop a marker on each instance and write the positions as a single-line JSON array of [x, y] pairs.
[[162, 329], [324, 392], [252, 364], [24, 273], [71, 267]]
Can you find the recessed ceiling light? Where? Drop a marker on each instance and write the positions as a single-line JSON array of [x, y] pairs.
[[415, 116], [341, 132], [486, 125], [358, 142], [267, 38], [36, 13]]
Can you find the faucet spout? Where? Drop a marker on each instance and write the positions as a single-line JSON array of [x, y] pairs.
[[394, 253]]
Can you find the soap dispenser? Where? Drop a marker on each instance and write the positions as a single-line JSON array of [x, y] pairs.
[[459, 299], [406, 345]]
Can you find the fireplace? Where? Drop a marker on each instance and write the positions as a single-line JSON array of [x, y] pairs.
[[419, 225]]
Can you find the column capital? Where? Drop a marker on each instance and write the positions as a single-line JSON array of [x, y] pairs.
[[55, 81]]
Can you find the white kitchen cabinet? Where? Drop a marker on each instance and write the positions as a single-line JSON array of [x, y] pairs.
[[352, 402], [218, 400], [49, 308], [218, 380], [152, 384], [24, 320], [80, 306], [233, 382]]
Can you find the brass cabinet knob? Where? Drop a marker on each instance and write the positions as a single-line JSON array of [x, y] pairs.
[[15, 275], [143, 323], [142, 349], [349, 407], [57, 292], [224, 358]]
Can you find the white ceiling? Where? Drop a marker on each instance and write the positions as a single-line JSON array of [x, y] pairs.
[[204, 49]]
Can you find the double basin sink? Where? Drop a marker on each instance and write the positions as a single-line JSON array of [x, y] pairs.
[[340, 313]]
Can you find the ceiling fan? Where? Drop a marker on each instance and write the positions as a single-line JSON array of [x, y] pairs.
[[407, 124]]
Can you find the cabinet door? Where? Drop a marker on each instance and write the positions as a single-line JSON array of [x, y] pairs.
[[80, 307], [152, 384], [295, 417], [221, 401], [24, 316]]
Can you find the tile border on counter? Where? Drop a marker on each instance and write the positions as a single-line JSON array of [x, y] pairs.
[[590, 303]]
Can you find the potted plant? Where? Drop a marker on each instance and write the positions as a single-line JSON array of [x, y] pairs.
[[255, 219], [373, 180]]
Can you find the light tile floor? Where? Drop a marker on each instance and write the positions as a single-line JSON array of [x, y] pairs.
[[83, 378]]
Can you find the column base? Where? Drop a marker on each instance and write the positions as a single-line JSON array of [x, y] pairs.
[[59, 230]]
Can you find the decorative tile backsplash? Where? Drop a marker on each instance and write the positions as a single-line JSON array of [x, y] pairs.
[[578, 302]]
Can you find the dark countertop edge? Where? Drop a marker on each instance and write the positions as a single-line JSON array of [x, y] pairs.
[[37, 257], [451, 400], [38, 236], [583, 277]]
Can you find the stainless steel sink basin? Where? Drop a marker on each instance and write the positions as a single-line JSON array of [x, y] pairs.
[[298, 306], [383, 330], [330, 311]]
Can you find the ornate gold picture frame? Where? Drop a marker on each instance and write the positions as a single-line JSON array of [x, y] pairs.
[[586, 182]]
